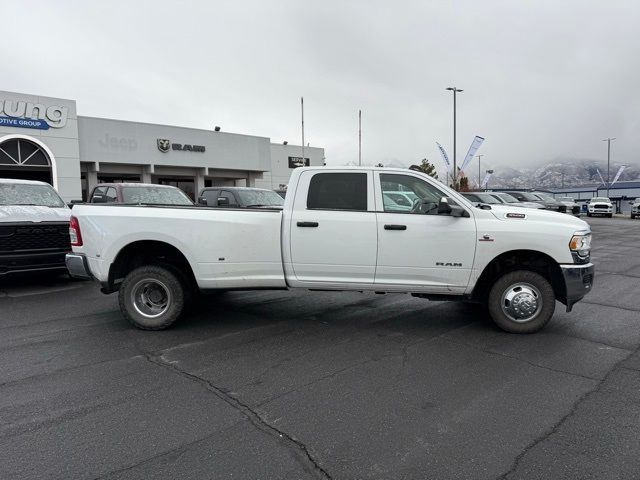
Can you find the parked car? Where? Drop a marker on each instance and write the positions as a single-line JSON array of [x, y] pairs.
[[600, 206], [635, 208], [239, 197], [570, 203], [527, 199], [138, 193], [335, 233], [550, 203], [34, 227], [508, 199]]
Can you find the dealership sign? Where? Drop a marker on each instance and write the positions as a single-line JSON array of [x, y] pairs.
[[32, 115], [295, 162], [165, 145]]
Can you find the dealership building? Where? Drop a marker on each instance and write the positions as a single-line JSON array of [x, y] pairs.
[[43, 138]]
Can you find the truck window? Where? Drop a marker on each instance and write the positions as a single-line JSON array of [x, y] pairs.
[[413, 187], [338, 191], [111, 194], [232, 199], [212, 197]]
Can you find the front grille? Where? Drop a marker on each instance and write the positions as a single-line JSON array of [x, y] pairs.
[[599, 205], [34, 237]]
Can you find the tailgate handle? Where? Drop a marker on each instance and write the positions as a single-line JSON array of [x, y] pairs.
[[307, 224], [395, 227]]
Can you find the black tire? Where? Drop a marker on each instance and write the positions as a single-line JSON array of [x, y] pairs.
[[588, 214], [609, 215], [543, 294], [152, 297]]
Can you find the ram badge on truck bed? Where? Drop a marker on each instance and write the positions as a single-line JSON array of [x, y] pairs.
[[339, 230]]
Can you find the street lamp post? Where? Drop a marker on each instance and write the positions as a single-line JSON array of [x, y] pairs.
[[479, 179], [608, 140], [455, 171]]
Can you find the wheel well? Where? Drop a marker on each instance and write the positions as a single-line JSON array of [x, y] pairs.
[[148, 252], [520, 260]]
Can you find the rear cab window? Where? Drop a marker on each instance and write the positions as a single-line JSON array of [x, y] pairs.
[[334, 190]]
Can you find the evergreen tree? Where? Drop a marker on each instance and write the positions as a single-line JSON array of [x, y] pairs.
[[426, 167]]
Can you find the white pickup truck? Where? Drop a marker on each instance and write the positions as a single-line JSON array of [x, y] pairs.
[[338, 231]]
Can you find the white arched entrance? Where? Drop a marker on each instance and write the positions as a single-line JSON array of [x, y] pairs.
[[22, 151]]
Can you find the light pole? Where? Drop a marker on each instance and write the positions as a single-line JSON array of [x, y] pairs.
[[455, 171], [608, 140], [479, 179]]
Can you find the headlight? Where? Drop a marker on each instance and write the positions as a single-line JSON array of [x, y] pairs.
[[581, 244]]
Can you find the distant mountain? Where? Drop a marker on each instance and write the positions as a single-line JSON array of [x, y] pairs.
[[566, 172]]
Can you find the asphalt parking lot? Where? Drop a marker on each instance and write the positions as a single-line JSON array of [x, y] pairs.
[[264, 385]]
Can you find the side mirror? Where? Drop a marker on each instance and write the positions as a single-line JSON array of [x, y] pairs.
[[73, 202], [445, 208], [202, 201], [223, 202]]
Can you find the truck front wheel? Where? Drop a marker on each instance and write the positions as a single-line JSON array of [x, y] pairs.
[[521, 302], [151, 297]]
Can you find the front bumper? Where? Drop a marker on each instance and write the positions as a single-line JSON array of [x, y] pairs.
[[578, 281], [77, 266], [31, 262]]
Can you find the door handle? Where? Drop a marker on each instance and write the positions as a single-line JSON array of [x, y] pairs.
[[307, 224], [395, 227]]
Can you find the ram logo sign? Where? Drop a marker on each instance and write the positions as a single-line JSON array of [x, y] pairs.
[[448, 264]]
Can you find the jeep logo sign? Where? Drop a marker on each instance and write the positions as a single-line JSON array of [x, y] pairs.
[[32, 115], [165, 145]]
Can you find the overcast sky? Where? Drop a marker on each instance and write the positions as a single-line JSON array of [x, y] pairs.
[[541, 79]]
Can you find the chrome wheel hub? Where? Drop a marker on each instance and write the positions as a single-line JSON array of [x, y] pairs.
[[521, 302], [150, 297]]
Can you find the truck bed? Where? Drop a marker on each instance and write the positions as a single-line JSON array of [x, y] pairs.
[[242, 247]]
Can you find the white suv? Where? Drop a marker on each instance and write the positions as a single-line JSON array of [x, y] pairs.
[[600, 206]]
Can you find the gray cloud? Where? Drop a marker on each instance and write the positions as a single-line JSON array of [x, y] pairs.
[[542, 79]]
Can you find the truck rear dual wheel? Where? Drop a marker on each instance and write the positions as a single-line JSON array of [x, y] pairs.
[[521, 301], [152, 297]]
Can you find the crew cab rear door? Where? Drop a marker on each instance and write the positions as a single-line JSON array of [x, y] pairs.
[[417, 247], [333, 232]]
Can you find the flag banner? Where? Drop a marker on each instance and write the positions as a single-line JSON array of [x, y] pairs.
[[620, 170], [444, 157], [600, 175], [475, 145], [486, 180]]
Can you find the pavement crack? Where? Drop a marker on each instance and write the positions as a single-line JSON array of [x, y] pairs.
[[556, 426], [247, 411]]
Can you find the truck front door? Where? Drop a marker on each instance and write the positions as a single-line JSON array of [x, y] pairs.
[[333, 228], [417, 246]]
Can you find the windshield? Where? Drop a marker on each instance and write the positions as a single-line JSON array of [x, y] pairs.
[[260, 198], [545, 196], [506, 197], [487, 198], [600, 199], [27, 194], [155, 195], [526, 196]]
